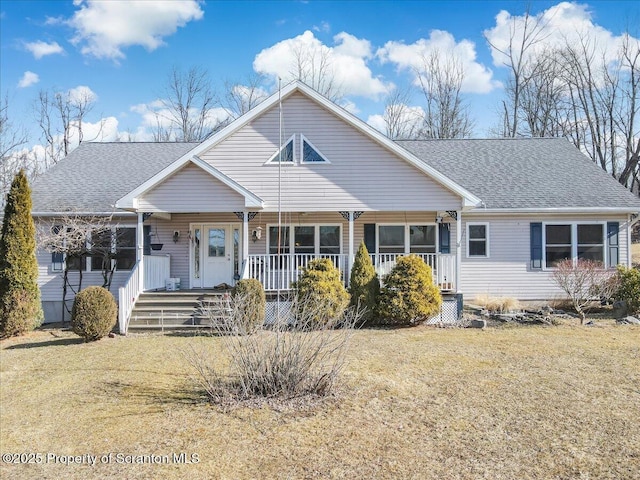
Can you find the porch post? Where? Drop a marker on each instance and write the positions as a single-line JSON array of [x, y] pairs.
[[351, 255], [140, 249], [458, 249], [245, 239]]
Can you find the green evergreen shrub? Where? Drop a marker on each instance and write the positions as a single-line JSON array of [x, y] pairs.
[[364, 285], [320, 294], [250, 305], [629, 289], [409, 295], [94, 313], [18, 264], [19, 314]]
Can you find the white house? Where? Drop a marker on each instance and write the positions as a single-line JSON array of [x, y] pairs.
[[490, 216]]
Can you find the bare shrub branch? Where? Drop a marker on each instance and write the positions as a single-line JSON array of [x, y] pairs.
[[292, 356], [584, 282]]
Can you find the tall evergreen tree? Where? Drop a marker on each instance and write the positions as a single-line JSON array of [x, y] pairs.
[[364, 285], [20, 308]]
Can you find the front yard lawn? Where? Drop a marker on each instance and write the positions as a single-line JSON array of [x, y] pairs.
[[504, 403]]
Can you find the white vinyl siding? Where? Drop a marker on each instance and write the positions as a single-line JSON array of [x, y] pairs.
[[362, 175], [508, 272], [191, 189]]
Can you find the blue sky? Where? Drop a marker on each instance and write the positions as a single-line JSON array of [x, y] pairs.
[[122, 51]]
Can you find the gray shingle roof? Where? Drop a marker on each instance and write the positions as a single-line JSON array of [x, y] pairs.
[[504, 173], [535, 173], [95, 175]]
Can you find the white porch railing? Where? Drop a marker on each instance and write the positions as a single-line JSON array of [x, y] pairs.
[[127, 296], [443, 266], [277, 272], [154, 274], [156, 271]]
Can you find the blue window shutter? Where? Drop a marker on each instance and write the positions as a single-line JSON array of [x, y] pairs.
[[445, 238], [370, 237], [536, 245], [613, 243]]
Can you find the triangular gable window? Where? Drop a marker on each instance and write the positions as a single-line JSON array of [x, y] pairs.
[[287, 153], [310, 154]]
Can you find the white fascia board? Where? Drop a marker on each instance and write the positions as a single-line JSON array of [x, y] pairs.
[[250, 198], [469, 199], [552, 211]]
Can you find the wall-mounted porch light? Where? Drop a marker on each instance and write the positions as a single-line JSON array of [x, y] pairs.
[[256, 234], [176, 236]]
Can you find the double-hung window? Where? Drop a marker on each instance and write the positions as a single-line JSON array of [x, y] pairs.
[[477, 239], [407, 239], [306, 239], [574, 241]]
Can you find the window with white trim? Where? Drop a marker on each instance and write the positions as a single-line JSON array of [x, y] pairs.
[[309, 153], [118, 245], [285, 153], [573, 241], [477, 239], [306, 239], [407, 238]]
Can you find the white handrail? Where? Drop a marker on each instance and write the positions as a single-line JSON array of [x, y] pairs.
[[278, 272], [127, 296], [443, 266]]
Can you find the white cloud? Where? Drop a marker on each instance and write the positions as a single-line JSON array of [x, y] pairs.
[[345, 63], [564, 23], [40, 49], [105, 28], [324, 27], [377, 122], [81, 94], [28, 79], [477, 77]]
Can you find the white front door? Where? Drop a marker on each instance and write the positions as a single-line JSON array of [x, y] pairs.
[[215, 254], [216, 268]]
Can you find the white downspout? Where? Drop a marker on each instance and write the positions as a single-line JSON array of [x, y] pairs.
[[351, 254]]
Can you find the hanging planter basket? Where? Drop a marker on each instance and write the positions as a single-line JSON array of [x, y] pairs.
[[156, 246]]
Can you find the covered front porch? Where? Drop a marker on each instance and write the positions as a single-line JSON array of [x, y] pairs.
[[205, 250]]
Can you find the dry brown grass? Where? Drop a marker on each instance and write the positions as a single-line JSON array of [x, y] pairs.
[[530, 403], [498, 304]]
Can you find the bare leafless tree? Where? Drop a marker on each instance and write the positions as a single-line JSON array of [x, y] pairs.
[[75, 238], [187, 101], [402, 121], [60, 116], [12, 139], [313, 66], [446, 113], [523, 38], [242, 96]]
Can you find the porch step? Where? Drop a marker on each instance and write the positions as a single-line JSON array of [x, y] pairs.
[[171, 310]]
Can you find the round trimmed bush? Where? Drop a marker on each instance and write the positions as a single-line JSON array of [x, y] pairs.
[[250, 305], [409, 296], [94, 313], [321, 298]]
